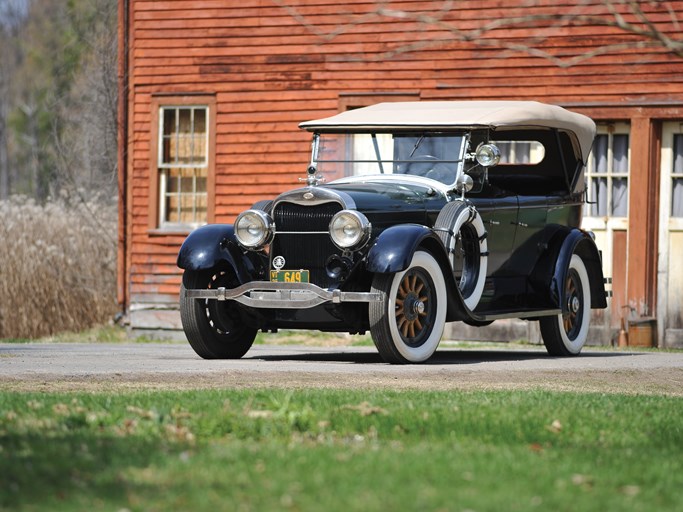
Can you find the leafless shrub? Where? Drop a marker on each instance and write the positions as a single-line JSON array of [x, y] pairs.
[[57, 266]]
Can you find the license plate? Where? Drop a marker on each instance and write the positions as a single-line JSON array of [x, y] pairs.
[[289, 276]]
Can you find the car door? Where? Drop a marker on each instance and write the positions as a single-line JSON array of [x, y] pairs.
[[527, 246], [501, 225]]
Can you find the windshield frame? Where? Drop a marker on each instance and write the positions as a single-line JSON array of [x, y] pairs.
[[387, 166]]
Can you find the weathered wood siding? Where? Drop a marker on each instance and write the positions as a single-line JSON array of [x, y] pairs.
[[272, 64]]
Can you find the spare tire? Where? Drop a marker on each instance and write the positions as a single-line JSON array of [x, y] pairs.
[[462, 232]]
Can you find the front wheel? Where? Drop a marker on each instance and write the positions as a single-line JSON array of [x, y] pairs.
[[214, 328], [566, 333], [407, 324]]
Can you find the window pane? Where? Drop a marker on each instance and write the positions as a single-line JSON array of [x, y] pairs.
[[365, 150], [419, 154], [186, 209], [620, 154], [599, 154], [677, 198], [505, 151], [619, 197], [183, 164], [677, 181], [185, 120], [200, 120], [608, 175], [201, 183], [399, 153], [520, 152], [187, 184], [169, 121], [199, 147], [184, 136], [173, 180], [166, 151], [186, 196], [599, 199]]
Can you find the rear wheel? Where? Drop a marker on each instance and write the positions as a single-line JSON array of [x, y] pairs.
[[566, 333], [214, 328], [407, 324]]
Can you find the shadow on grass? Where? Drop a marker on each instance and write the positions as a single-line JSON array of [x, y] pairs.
[[44, 471]]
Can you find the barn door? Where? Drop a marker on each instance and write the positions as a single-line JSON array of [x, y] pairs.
[[670, 264], [606, 214]]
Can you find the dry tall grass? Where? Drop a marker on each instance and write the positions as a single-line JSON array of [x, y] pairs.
[[57, 267]]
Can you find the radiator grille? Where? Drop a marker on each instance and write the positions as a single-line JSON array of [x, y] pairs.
[[295, 217], [307, 251]]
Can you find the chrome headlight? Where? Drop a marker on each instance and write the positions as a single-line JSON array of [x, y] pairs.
[[488, 155], [253, 229], [350, 229]]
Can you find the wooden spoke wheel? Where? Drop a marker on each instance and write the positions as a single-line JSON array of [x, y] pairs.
[[565, 334], [407, 324]]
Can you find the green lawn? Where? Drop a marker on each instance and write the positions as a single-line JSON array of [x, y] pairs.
[[340, 450]]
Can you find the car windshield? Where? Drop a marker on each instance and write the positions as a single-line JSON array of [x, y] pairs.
[[438, 156]]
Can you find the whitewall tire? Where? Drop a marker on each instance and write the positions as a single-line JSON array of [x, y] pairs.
[[407, 324], [462, 231], [565, 334]]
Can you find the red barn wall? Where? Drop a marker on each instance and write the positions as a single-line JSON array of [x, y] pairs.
[[271, 66]]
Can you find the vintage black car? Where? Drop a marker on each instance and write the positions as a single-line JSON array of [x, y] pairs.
[[412, 215]]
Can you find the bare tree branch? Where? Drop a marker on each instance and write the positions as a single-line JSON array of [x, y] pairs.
[[341, 28], [625, 17]]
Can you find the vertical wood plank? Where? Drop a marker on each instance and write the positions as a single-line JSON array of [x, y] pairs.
[[619, 279], [643, 218]]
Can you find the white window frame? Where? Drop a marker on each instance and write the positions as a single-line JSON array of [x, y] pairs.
[[672, 174], [605, 226], [163, 168], [608, 221], [667, 225]]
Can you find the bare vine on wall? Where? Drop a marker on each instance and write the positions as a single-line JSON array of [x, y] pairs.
[[630, 25]]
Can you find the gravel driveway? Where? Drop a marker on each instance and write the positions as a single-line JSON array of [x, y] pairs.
[[75, 366]]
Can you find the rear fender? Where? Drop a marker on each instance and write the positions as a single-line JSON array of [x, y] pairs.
[[579, 242], [214, 247]]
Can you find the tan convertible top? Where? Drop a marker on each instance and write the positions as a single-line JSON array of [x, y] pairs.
[[466, 114]]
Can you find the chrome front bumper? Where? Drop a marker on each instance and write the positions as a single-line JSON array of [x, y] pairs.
[[264, 294]]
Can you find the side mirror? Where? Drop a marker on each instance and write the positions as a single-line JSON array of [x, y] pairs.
[[464, 184]]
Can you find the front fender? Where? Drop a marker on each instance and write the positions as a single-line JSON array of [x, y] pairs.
[[579, 242], [393, 251], [214, 246], [394, 247]]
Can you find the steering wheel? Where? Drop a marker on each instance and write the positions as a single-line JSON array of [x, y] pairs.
[[421, 165], [442, 172]]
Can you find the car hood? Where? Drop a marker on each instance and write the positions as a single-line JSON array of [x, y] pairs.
[[377, 197], [385, 200]]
